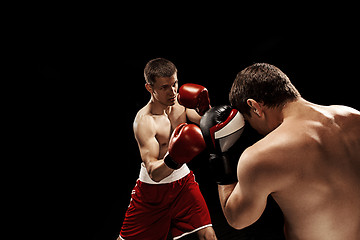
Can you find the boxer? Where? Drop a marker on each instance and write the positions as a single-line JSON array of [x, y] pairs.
[[166, 196], [308, 160]]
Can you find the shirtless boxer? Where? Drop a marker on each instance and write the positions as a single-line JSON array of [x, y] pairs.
[[309, 160], [166, 196]]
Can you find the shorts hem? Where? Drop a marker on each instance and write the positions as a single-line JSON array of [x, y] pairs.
[[195, 230]]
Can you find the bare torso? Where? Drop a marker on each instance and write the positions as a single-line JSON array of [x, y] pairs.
[[163, 124], [317, 152]]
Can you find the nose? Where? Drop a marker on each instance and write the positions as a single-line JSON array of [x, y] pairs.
[[173, 90]]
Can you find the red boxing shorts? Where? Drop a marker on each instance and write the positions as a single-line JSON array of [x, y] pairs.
[[156, 209]]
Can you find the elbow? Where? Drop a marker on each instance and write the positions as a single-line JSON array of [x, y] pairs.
[[236, 221], [236, 225]]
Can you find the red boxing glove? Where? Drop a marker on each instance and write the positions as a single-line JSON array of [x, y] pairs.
[[194, 96], [186, 142]]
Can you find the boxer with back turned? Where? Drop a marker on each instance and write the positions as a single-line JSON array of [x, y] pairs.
[[166, 196], [309, 159]]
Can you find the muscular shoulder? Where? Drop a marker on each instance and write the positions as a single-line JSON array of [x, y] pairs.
[[345, 115], [274, 147], [269, 162], [345, 110], [348, 121], [143, 123]]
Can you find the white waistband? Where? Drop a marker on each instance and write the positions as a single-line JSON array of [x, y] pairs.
[[174, 176]]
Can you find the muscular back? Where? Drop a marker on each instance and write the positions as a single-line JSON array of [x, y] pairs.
[[319, 164]]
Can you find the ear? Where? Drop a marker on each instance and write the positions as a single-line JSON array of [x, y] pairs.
[[255, 106], [148, 87]]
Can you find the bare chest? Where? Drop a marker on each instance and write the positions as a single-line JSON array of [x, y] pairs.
[[165, 125]]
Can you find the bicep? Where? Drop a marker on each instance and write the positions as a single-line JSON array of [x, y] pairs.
[[149, 150], [147, 142], [248, 199], [244, 207]]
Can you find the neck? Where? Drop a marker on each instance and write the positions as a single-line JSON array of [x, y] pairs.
[[277, 116], [294, 108], [158, 108], [274, 117]]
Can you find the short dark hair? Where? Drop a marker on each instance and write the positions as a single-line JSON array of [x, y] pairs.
[[158, 67], [262, 82]]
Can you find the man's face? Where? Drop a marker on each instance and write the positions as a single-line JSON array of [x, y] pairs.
[[165, 90]]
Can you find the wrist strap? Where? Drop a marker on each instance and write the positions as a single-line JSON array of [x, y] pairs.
[[170, 162]]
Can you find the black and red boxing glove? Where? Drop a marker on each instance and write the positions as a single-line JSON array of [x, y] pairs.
[[221, 127], [194, 96], [186, 142]]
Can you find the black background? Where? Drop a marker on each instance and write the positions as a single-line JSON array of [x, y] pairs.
[[86, 84]]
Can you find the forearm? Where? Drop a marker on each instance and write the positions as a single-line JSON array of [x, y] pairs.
[[158, 170]]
